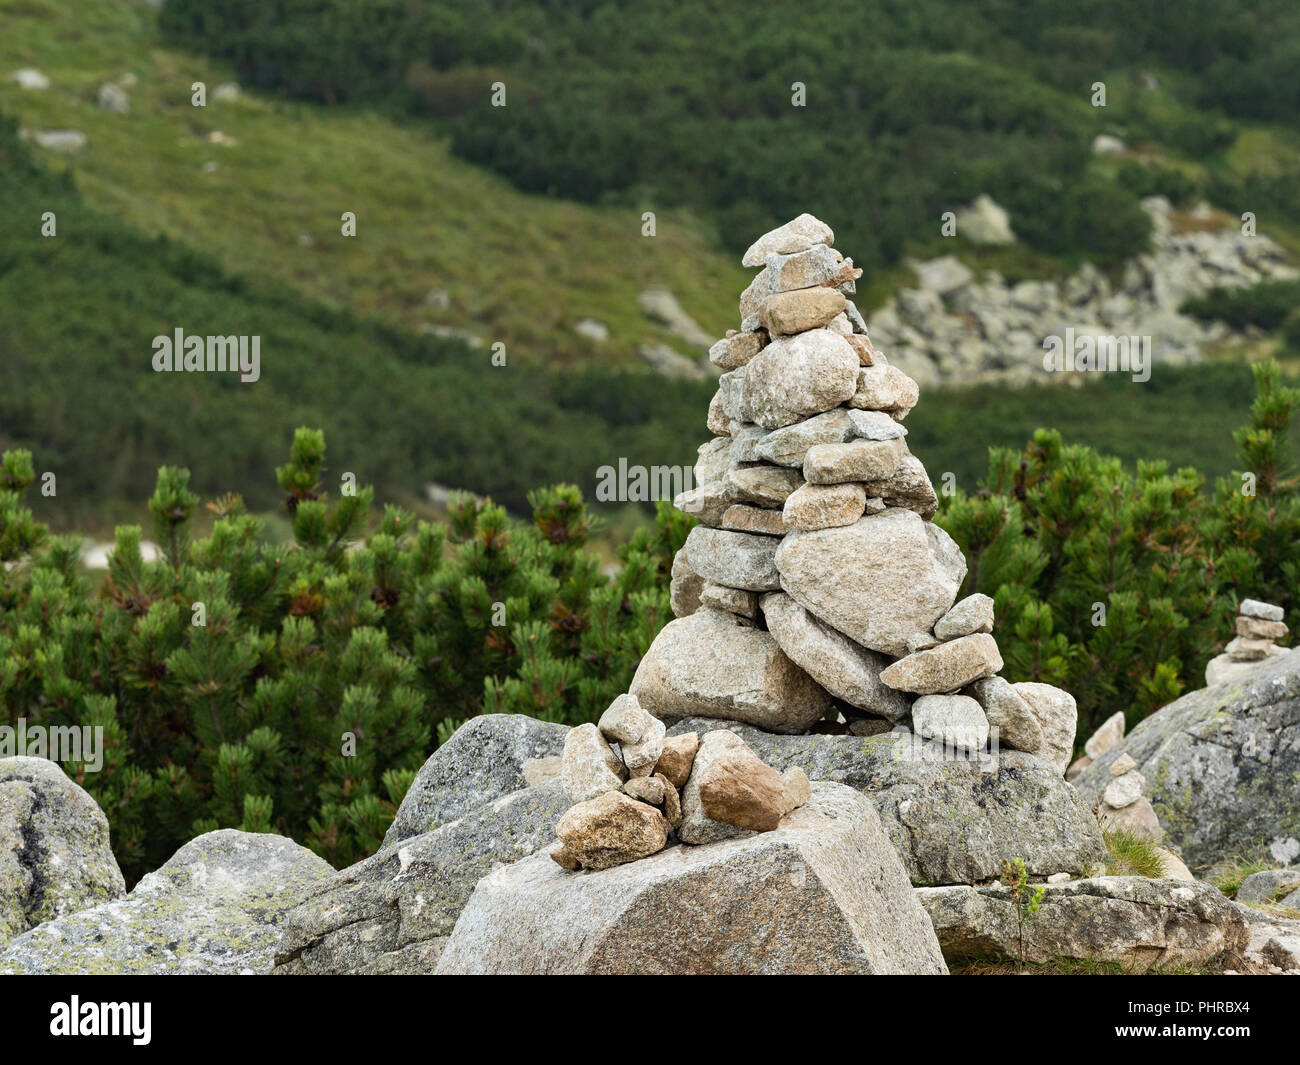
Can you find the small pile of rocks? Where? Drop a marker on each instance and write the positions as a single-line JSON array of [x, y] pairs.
[[1258, 626], [816, 589], [633, 789], [1101, 741]]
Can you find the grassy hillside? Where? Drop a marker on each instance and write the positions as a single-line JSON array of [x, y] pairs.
[[161, 226], [881, 114], [78, 314], [517, 268]]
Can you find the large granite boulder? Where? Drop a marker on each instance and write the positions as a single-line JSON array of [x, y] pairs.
[[1126, 919], [716, 663], [215, 907], [54, 852], [880, 580], [487, 757], [1222, 765], [392, 912], [822, 893], [952, 820]]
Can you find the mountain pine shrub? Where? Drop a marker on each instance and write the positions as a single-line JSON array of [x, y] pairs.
[[298, 687]]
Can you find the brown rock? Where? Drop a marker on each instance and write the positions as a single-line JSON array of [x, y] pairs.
[[800, 310], [1259, 629], [946, 668], [908, 487], [736, 350], [867, 355], [858, 460], [740, 789], [674, 763], [824, 506], [740, 517], [884, 387], [610, 830], [646, 789], [672, 804], [563, 857], [684, 590], [796, 789]]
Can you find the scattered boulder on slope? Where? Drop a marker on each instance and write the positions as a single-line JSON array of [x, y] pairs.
[[822, 893], [215, 907], [54, 850]]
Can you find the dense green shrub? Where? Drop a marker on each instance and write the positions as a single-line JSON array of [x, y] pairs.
[[299, 687], [1266, 305], [1120, 586], [931, 104]]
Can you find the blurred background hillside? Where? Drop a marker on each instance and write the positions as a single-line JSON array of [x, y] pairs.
[[522, 225]]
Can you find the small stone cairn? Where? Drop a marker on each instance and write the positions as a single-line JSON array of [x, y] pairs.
[[632, 789], [815, 591], [1258, 626]]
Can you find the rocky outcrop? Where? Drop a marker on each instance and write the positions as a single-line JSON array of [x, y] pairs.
[[54, 847], [954, 328], [953, 821], [1220, 765], [391, 912], [1129, 920], [823, 893], [487, 757], [216, 907]]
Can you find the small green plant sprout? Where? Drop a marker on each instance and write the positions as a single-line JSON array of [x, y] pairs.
[[1027, 900]]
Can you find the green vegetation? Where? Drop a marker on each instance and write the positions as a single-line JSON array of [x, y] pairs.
[[1119, 587], [78, 313], [1026, 899], [1228, 877], [265, 199], [297, 688], [693, 104], [1132, 855]]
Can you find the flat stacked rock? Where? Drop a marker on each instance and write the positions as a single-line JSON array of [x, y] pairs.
[[816, 585], [633, 790], [1259, 625]]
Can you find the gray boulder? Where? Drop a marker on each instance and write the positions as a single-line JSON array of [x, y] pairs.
[[1221, 764], [392, 912], [1130, 920], [1266, 885], [54, 852], [952, 820], [822, 893], [215, 907], [486, 758]]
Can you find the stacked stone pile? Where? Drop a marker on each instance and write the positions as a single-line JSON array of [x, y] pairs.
[[632, 789], [1258, 626], [816, 585]]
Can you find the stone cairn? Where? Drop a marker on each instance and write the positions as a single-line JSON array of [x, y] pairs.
[[815, 591], [1258, 626], [632, 788]]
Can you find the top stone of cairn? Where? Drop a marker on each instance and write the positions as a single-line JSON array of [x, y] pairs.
[[797, 235]]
